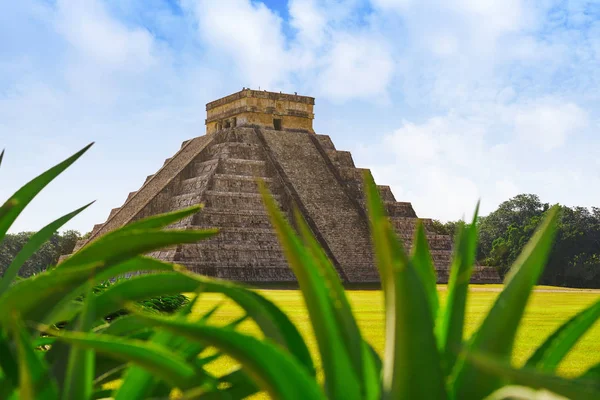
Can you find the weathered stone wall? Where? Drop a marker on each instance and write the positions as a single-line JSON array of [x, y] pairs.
[[335, 216], [252, 107]]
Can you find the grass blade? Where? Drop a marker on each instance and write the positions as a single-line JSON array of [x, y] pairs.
[[1, 157], [557, 346], [137, 382], [421, 259], [592, 374], [361, 360], [572, 389], [409, 324], [8, 362], [33, 245], [273, 370], [156, 359], [80, 365], [24, 195], [35, 383], [497, 332], [450, 333], [272, 321], [341, 380]]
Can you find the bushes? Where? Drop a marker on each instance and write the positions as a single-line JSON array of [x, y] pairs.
[[426, 355]]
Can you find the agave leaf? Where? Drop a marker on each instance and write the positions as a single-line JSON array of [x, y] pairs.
[[124, 244], [557, 346], [409, 324], [421, 259], [137, 382], [274, 323], [33, 245], [8, 363], [572, 389], [273, 370], [6, 207], [496, 334], [591, 374], [239, 386], [65, 309], [80, 365], [24, 195], [363, 363], [35, 383], [523, 393], [45, 295], [157, 359], [341, 380], [450, 333]]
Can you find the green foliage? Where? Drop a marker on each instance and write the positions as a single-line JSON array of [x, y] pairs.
[[149, 352], [46, 254]]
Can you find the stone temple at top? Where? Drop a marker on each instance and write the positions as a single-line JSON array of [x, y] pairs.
[[258, 134]]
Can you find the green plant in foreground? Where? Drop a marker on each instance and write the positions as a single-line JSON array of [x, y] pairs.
[[426, 355]]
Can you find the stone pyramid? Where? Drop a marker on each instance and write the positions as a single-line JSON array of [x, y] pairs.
[[253, 134]]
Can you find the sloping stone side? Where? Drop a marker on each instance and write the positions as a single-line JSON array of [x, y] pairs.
[[335, 215], [154, 185]]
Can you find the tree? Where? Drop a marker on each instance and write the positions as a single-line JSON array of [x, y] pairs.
[[47, 255], [516, 212]]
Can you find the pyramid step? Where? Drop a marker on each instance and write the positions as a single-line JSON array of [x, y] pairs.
[[342, 159], [441, 257], [196, 184], [386, 193], [246, 263], [235, 200], [262, 236], [241, 183], [326, 142], [240, 134], [234, 254], [269, 273], [400, 209], [439, 242], [185, 200], [224, 218], [246, 151], [404, 225], [200, 168], [237, 166]]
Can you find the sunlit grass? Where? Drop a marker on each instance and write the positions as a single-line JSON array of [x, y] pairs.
[[546, 311]]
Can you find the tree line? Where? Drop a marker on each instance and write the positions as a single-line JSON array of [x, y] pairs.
[[48, 254], [575, 257]]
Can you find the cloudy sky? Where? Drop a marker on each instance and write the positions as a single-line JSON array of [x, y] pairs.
[[447, 101]]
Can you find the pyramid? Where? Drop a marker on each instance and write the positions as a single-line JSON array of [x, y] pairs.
[[258, 134]]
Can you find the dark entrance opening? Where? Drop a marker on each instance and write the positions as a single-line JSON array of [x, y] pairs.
[[277, 124]]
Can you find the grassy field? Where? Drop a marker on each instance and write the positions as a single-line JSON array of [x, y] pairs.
[[547, 309]]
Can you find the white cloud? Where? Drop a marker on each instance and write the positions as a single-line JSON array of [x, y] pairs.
[[247, 32], [356, 66], [310, 20], [100, 39], [549, 125], [444, 164]]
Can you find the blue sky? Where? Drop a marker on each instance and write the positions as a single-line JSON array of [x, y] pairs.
[[446, 101]]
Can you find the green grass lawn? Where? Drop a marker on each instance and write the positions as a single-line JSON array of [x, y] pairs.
[[545, 312]]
